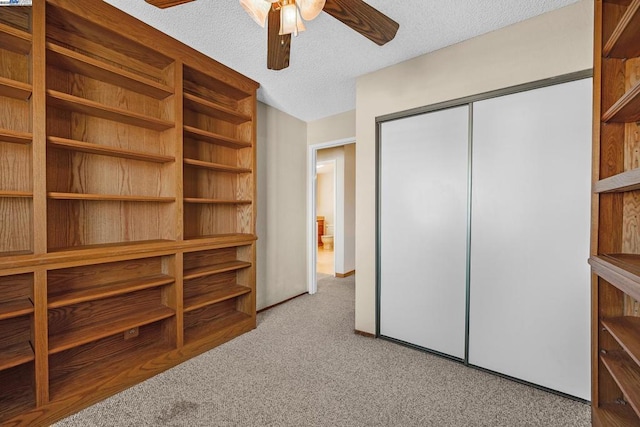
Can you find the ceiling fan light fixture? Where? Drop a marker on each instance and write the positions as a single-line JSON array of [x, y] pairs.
[[257, 10], [310, 9], [290, 20]]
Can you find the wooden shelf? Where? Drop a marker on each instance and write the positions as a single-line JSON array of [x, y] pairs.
[[65, 298], [16, 194], [94, 332], [109, 197], [215, 166], [625, 181], [626, 109], [93, 376], [92, 108], [215, 269], [17, 393], [99, 250], [195, 103], [216, 201], [86, 147], [87, 66], [626, 330], [15, 355], [215, 295], [616, 415], [203, 331], [623, 42], [626, 374], [15, 89], [15, 40], [214, 138], [7, 135], [15, 308], [192, 76], [15, 253], [621, 270]]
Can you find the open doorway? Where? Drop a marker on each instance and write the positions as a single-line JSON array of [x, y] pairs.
[[331, 211], [326, 189]]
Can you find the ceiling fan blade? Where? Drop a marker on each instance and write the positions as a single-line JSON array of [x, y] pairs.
[[364, 19], [278, 47], [163, 4]]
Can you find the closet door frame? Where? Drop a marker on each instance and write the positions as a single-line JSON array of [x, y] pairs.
[[469, 100]]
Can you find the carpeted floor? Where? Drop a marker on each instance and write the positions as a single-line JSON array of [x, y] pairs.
[[304, 366]]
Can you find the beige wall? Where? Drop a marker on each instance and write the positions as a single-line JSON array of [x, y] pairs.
[[549, 45], [281, 221], [333, 128]]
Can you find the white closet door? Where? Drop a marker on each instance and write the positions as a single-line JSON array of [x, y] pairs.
[[529, 315], [423, 229]]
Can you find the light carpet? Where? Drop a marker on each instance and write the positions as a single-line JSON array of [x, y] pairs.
[[304, 366]]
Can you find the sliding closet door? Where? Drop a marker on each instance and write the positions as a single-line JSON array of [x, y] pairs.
[[423, 229], [529, 314]]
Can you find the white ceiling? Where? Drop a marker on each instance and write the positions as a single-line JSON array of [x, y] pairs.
[[327, 58]]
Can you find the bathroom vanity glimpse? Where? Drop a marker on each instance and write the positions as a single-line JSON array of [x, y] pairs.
[[127, 238]]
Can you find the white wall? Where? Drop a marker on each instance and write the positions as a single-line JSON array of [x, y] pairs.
[[552, 44], [281, 220]]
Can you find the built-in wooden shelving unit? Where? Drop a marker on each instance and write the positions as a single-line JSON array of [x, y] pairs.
[[127, 207], [615, 257]]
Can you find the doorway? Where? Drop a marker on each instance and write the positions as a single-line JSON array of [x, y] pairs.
[[331, 210], [326, 189]]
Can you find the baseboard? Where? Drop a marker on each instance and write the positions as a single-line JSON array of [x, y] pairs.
[[281, 302], [364, 334], [347, 274]]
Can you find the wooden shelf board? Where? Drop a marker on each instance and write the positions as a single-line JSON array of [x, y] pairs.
[[15, 254], [14, 89], [209, 108], [626, 374], [194, 273], [109, 197], [215, 166], [616, 415], [623, 42], [216, 295], [92, 378], [15, 355], [65, 298], [87, 147], [192, 75], [92, 108], [15, 137], [76, 337], [15, 40], [621, 270], [626, 330], [216, 201], [15, 308], [16, 194], [82, 64], [204, 330], [214, 138], [625, 181], [626, 109], [109, 249]]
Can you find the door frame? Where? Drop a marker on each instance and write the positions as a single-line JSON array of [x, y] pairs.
[[312, 235]]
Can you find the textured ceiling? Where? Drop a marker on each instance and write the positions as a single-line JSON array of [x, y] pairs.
[[327, 58]]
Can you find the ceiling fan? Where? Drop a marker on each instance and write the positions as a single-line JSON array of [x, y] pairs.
[[285, 17]]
